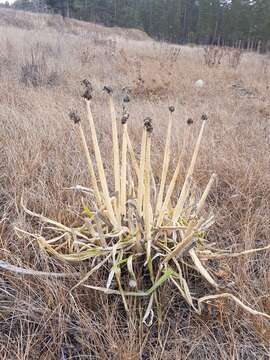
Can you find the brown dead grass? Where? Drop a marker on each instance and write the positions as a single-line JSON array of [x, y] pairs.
[[40, 158]]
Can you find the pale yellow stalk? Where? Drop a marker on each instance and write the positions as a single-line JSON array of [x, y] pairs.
[[90, 167], [147, 199], [169, 193], [101, 171], [123, 196], [166, 161], [132, 156], [235, 299], [173, 182], [186, 187], [130, 183], [201, 269], [116, 156], [141, 172], [205, 194], [188, 238]]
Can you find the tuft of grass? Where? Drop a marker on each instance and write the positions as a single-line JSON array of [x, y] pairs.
[[140, 238]]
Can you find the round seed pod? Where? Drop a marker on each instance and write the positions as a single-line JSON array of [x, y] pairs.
[[74, 116], [171, 109], [189, 121], [204, 117], [148, 124], [86, 83], [108, 89], [125, 117], [87, 95], [126, 99]]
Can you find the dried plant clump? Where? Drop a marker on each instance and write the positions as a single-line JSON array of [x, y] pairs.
[[214, 55], [136, 236], [145, 86], [174, 54], [234, 56], [35, 70], [168, 54]]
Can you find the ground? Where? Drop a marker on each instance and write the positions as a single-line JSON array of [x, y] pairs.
[[43, 60]]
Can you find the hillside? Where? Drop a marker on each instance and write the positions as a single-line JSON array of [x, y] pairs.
[[43, 60]]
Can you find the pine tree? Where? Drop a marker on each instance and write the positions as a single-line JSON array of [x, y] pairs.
[[180, 21]]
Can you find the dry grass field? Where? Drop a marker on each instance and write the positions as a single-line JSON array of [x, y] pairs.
[[43, 60]]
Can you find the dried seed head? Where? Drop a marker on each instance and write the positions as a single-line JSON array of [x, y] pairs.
[[88, 89], [108, 89], [189, 121], [87, 95], [148, 124], [204, 117], [126, 99], [74, 116], [125, 117], [171, 109], [86, 83]]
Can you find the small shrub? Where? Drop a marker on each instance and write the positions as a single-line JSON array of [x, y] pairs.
[[36, 72], [174, 54], [234, 56], [142, 234], [213, 55], [148, 87]]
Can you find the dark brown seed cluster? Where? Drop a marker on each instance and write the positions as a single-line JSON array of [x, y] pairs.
[[86, 83], [126, 99], [189, 121], [88, 90], [108, 89], [125, 116], [204, 117], [74, 116], [148, 124], [126, 94], [171, 109]]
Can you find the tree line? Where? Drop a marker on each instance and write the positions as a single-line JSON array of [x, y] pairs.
[[241, 23]]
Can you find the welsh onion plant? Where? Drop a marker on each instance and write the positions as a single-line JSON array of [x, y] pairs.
[[140, 238]]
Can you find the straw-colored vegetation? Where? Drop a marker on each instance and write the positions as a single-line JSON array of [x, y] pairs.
[[140, 231]]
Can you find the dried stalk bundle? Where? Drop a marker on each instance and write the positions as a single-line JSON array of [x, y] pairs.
[[139, 239]]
